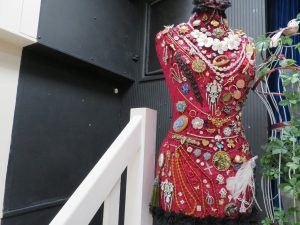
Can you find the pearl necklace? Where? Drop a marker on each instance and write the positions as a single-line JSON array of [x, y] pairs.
[[231, 42], [214, 68]]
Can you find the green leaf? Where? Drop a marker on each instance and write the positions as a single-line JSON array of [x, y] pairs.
[[298, 17], [286, 40], [277, 151], [264, 71], [284, 102], [262, 43], [296, 159], [293, 166], [286, 82], [287, 62], [286, 188], [298, 184], [294, 80], [293, 139], [293, 181], [292, 210]]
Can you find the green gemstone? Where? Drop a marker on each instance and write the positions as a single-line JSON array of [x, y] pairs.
[[226, 97]]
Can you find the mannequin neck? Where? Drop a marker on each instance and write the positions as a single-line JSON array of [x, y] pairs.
[[209, 20]]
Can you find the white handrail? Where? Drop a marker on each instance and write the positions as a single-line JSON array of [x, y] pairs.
[[135, 148]]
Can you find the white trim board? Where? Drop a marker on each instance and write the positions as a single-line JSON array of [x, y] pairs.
[[10, 59]]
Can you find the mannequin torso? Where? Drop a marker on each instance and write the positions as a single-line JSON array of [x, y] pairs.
[[208, 70]]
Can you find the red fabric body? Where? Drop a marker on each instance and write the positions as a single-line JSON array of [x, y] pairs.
[[190, 174]]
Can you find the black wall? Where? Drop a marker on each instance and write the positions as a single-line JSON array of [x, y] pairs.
[[104, 33], [67, 113], [66, 116]]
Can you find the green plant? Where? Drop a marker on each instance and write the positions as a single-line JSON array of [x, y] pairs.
[[287, 145]]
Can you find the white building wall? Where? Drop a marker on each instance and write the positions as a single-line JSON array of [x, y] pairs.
[[18, 28]]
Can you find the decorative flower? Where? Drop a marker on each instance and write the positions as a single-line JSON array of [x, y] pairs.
[[196, 34], [233, 41], [181, 106], [197, 123], [205, 41], [183, 29], [219, 46], [230, 143]]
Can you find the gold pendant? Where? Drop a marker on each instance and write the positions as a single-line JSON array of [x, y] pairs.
[[211, 130], [214, 23], [199, 66], [205, 17], [219, 122]]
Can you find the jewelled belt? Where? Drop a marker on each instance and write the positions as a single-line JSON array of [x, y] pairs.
[[195, 139]]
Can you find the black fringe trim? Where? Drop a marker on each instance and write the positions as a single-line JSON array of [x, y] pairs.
[[171, 218]]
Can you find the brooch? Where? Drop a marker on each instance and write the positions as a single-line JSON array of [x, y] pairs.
[[181, 106], [197, 123], [213, 91], [221, 161], [185, 88], [180, 124], [199, 66]]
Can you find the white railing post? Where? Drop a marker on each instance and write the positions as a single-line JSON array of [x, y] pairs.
[[135, 149], [98, 185], [111, 206], [140, 172]]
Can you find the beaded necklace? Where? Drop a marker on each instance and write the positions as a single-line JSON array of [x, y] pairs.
[[214, 68]]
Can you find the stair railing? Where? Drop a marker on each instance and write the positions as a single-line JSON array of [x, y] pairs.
[[133, 149]]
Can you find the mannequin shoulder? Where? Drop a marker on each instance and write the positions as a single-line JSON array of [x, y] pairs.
[[160, 36], [244, 36], [249, 45]]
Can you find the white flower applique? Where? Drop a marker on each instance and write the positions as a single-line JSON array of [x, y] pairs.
[[233, 41], [219, 46], [196, 34], [205, 41]]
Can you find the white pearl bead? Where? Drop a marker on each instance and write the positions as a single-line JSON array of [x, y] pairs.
[[196, 23]]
